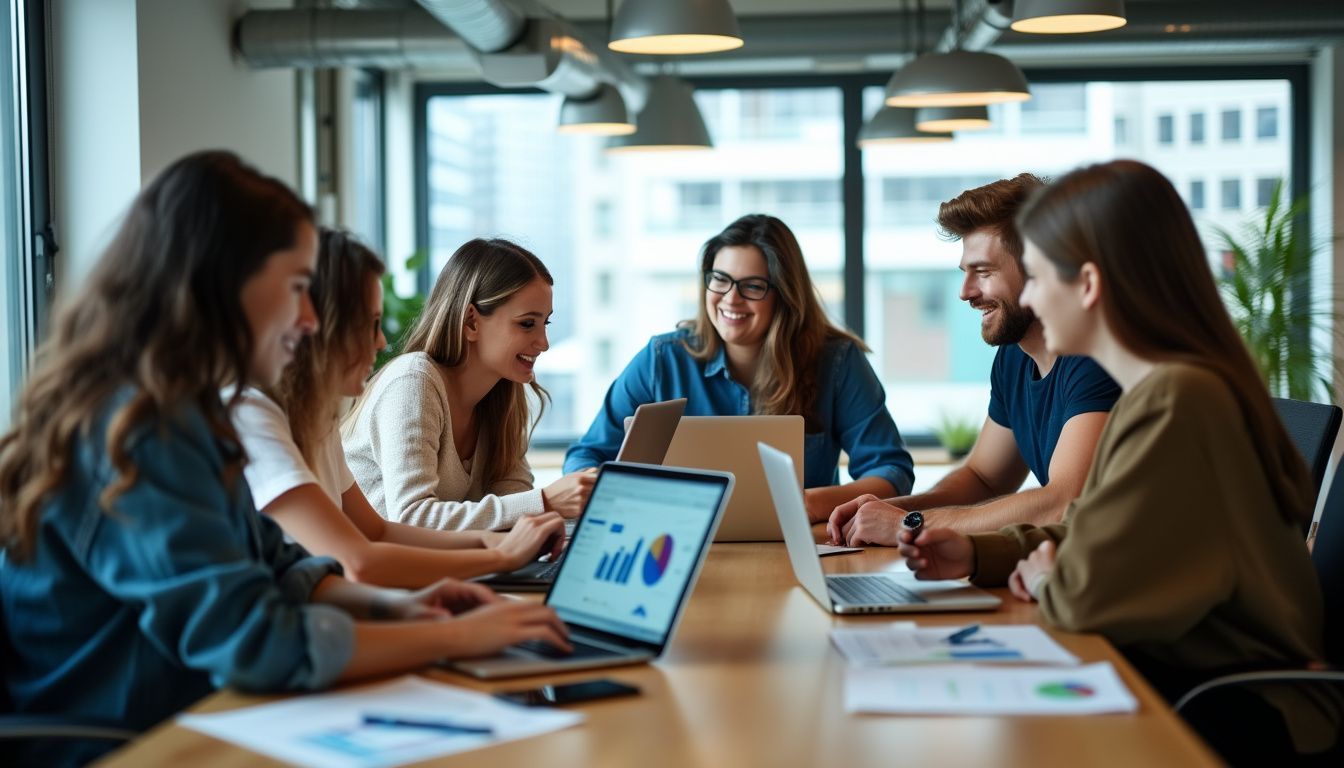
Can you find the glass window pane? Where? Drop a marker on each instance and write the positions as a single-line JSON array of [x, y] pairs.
[[621, 234], [1264, 191], [1232, 125], [1267, 123], [926, 342], [11, 293]]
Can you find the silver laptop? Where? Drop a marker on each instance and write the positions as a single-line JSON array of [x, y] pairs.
[[898, 592], [728, 444], [628, 572]]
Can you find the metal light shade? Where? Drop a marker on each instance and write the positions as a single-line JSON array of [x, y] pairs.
[[602, 114], [957, 79], [943, 119], [1067, 17], [896, 125], [670, 121], [674, 27]]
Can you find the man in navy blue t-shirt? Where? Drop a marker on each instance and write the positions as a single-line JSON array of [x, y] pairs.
[[1046, 412]]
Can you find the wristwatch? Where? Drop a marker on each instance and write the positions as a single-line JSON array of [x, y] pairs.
[[913, 520]]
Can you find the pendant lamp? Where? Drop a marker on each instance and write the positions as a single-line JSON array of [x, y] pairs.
[[675, 27], [957, 79], [602, 114], [894, 125], [1066, 17], [952, 118], [670, 121]]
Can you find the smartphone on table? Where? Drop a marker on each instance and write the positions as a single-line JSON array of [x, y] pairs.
[[571, 693]]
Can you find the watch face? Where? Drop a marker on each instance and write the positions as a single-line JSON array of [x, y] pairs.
[[913, 521]]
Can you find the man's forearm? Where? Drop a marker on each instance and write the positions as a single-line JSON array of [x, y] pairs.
[[961, 487], [1037, 506]]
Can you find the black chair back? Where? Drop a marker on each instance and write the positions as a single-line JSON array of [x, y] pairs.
[[1328, 556], [1312, 427]]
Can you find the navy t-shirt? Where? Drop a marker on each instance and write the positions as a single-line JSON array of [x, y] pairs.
[[1036, 408]]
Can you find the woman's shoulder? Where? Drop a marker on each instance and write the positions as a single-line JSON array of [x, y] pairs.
[[1185, 391], [672, 340], [411, 364]]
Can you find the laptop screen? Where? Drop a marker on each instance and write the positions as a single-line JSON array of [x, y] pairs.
[[635, 550]]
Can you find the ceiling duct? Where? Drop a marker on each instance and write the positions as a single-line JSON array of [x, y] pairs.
[[486, 25], [406, 38]]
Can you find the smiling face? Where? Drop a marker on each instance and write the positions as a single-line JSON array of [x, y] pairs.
[[741, 322], [367, 343], [509, 339], [991, 285], [278, 308], [1061, 305]]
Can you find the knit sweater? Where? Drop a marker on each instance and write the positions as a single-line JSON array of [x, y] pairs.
[[1175, 550], [400, 449]]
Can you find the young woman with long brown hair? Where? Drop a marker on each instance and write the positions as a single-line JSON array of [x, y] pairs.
[[136, 574], [297, 468], [762, 344], [1185, 547], [439, 437]]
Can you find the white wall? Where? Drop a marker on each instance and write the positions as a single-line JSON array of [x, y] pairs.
[[139, 83], [95, 125]]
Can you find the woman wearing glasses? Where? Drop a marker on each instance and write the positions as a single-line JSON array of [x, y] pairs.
[[762, 345]]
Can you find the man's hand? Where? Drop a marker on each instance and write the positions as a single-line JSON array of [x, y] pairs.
[[937, 553]]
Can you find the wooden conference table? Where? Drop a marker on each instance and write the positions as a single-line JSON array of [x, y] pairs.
[[752, 680]]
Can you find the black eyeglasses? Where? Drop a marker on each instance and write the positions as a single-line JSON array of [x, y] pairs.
[[750, 288]]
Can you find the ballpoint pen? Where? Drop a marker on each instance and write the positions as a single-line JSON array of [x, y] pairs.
[[960, 636], [435, 725]]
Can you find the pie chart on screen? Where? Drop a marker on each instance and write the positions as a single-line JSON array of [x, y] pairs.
[[657, 558]]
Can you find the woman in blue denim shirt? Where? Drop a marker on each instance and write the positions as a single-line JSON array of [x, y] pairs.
[[761, 344], [136, 574]]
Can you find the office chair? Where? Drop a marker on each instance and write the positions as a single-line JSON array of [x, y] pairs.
[[1312, 427], [1328, 558]]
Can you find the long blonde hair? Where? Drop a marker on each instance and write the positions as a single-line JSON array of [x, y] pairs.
[[1128, 220], [483, 274], [161, 314], [308, 390], [786, 376]]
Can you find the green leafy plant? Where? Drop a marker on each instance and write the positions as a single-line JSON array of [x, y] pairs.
[[1267, 292], [956, 433], [400, 312]]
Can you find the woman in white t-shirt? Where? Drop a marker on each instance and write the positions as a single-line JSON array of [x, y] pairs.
[[296, 467], [439, 440]]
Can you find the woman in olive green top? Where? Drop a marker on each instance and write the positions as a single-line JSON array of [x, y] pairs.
[[1185, 547]]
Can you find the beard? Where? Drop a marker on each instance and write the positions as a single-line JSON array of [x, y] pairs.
[[1010, 325]]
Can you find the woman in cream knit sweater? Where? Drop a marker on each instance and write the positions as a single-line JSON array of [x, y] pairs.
[[439, 436]]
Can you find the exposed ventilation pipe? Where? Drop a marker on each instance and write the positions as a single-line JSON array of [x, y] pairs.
[[982, 21], [408, 38], [548, 52]]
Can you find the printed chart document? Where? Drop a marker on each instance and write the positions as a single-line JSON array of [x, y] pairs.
[[975, 690], [400, 721], [904, 643]]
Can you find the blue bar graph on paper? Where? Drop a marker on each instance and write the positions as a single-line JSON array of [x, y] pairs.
[[601, 566]]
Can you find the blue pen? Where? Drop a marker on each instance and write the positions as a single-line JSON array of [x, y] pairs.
[[434, 725], [958, 637]]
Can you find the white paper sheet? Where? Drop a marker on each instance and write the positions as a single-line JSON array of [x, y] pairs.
[[976, 690], [831, 549], [328, 729], [904, 643]]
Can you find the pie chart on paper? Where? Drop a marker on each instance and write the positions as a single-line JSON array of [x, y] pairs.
[[657, 558]]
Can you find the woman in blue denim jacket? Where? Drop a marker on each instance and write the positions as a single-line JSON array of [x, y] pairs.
[[136, 574], [761, 344]]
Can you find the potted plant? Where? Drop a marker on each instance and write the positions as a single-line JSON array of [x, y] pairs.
[[1266, 284], [957, 434], [399, 312]]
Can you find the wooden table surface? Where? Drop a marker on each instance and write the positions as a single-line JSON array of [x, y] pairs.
[[752, 680]]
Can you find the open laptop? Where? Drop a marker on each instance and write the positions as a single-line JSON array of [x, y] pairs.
[[647, 436], [859, 592], [728, 444], [630, 568]]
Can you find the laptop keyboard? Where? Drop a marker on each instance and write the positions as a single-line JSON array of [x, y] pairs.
[[548, 651], [871, 590]]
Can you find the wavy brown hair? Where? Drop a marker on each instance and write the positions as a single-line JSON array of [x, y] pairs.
[[308, 392], [483, 274], [991, 207], [160, 314], [786, 375], [1128, 220]]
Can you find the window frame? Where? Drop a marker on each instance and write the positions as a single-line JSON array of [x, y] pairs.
[[853, 204]]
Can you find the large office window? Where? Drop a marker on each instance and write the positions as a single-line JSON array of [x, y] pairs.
[[622, 233]]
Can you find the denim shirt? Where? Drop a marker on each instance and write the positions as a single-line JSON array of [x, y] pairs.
[[850, 407], [133, 614]]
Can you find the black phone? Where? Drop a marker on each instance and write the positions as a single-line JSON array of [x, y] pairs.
[[559, 695]]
